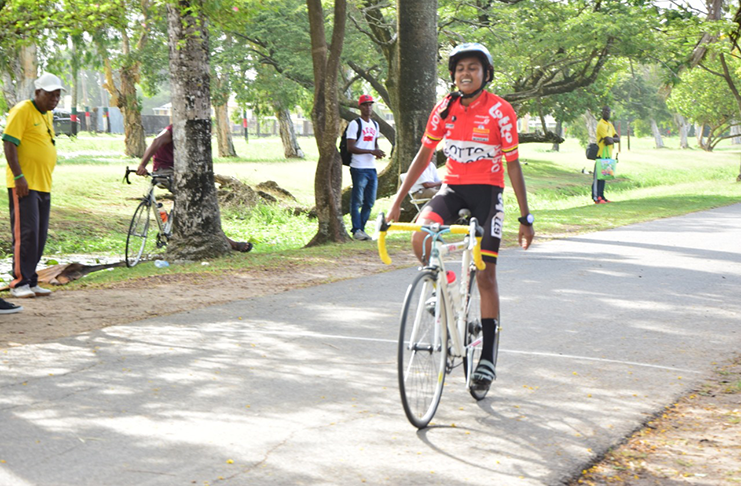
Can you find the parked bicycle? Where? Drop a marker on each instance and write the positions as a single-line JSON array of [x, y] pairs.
[[440, 319], [149, 210]]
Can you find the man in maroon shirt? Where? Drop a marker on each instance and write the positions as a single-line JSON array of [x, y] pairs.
[[163, 151]]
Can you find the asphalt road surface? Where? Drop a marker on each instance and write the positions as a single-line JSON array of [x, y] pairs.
[[600, 332]]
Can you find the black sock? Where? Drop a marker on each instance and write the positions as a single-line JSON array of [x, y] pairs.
[[489, 327]]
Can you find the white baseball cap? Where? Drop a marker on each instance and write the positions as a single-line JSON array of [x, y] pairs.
[[49, 82]]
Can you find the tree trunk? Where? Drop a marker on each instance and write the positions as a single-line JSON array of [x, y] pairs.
[[559, 131], [19, 75], [223, 133], [699, 129], [291, 148], [736, 130], [105, 104], [684, 128], [591, 122], [412, 56], [125, 96], [326, 118], [29, 71], [658, 141], [197, 230], [134, 139], [416, 59], [220, 92]]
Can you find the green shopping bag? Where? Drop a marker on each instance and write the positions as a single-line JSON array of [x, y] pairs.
[[605, 166]]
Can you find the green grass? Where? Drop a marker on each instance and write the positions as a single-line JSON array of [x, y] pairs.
[[91, 207]]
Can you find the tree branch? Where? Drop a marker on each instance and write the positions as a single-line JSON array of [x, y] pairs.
[[373, 81], [547, 137]]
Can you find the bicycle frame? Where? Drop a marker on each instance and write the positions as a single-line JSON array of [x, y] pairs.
[[149, 195], [455, 324], [139, 229]]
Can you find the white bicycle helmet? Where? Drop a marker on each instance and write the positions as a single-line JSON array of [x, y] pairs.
[[471, 49]]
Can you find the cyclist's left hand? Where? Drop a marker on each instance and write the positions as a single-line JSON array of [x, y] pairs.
[[525, 236], [141, 170]]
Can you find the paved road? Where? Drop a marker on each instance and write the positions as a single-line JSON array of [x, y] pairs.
[[601, 332]]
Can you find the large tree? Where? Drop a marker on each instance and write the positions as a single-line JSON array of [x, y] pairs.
[[221, 91], [699, 97], [326, 118], [197, 229], [131, 48], [270, 61]]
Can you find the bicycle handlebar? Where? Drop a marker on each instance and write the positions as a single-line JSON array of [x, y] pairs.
[[126, 175], [154, 177], [383, 227]]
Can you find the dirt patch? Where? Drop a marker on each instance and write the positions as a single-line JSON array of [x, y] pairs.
[[69, 311], [694, 441]]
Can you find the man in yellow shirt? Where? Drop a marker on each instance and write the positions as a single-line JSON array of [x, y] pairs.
[[606, 137], [31, 155]]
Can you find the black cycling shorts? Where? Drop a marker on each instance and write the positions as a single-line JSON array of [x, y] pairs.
[[486, 205]]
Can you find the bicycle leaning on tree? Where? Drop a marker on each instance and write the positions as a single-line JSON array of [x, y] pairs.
[[440, 325], [148, 210]]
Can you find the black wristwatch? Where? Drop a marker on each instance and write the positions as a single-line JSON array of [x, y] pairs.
[[527, 220]]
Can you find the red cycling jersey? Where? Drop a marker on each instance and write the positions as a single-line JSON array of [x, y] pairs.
[[476, 137]]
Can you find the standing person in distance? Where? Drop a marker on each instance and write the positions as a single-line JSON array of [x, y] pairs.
[[32, 155], [364, 151], [480, 132], [606, 137]]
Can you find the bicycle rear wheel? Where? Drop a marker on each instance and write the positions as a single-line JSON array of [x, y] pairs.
[[474, 335], [422, 355], [136, 240]]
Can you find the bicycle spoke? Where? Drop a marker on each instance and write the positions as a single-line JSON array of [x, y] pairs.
[[422, 356]]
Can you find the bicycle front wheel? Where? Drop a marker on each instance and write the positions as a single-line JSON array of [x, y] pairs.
[[136, 240], [422, 350]]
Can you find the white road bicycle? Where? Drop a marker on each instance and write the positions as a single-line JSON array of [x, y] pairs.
[[149, 210], [440, 327]]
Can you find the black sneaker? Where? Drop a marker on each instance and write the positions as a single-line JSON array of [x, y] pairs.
[[8, 308]]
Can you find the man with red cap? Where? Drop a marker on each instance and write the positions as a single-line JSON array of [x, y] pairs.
[[31, 154], [362, 143]]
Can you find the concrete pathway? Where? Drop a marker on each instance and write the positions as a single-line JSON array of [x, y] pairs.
[[600, 332]]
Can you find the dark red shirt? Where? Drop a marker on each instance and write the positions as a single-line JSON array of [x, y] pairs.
[[164, 157]]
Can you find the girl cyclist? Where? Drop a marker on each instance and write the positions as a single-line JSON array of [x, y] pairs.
[[480, 130]]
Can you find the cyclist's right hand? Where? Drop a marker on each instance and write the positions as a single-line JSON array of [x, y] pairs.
[[393, 214], [141, 170]]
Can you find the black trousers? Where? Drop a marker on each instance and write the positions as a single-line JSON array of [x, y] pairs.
[[29, 226]]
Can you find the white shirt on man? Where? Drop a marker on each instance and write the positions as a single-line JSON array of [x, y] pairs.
[[429, 175], [366, 141]]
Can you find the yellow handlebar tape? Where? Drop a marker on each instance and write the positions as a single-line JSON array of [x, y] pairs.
[[480, 265], [455, 229], [382, 252]]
